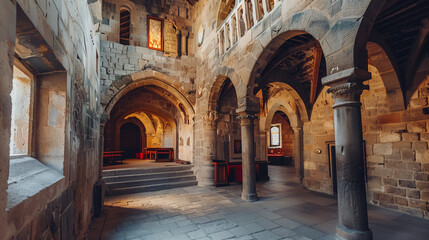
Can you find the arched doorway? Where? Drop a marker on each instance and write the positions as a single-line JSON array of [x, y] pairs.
[[281, 141], [130, 139], [228, 133]]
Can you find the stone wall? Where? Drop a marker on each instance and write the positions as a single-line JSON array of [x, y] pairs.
[[397, 150], [119, 60], [318, 133], [63, 209], [396, 147], [177, 23]]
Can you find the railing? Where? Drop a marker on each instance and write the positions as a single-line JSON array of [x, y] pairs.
[[245, 15]]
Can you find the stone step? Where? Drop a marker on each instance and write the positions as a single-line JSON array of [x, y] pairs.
[[149, 188], [132, 171], [157, 175], [148, 182]]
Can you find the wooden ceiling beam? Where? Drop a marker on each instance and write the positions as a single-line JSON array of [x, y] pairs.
[[416, 50], [315, 78]]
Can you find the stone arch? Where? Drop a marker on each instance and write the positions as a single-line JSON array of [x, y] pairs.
[[309, 22], [378, 57], [154, 110], [216, 90], [140, 79], [144, 119], [301, 112], [135, 121], [296, 119], [160, 113], [293, 117]]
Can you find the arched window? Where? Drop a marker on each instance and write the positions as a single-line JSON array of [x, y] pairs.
[[125, 26], [275, 135]]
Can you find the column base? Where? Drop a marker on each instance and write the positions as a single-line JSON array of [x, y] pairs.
[[345, 233], [249, 197], [205, 176], [206, 183]]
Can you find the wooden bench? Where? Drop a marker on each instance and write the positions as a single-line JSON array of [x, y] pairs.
[[113, 156]]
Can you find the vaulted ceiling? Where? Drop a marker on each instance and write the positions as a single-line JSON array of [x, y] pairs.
[[300, 63], [402, 29]]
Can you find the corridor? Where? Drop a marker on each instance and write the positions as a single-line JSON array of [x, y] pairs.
[[284, 211]]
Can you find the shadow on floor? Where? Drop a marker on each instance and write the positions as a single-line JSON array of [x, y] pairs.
[[285, 210]]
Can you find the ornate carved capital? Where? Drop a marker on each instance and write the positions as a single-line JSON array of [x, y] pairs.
[[246, 116], [211, 118], [347, 86], [297, 129], [248, 104], [347, 93]]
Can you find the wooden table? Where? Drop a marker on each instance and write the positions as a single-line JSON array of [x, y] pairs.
[[161, 154]]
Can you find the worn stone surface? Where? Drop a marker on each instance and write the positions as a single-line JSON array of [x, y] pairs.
[[219, 213], [189, 77]]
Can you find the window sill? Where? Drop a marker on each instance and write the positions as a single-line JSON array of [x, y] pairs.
[[27, 177]]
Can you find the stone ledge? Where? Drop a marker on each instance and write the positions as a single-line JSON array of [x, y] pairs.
[[27, 177]]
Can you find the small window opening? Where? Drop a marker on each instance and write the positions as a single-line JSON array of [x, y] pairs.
[[125, 27], [275, 133]]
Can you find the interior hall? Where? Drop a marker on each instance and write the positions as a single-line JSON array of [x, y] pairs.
[[214, 119]]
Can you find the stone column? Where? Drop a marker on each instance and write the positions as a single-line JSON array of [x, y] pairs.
[[205, 170], [248, 156], [346, 88], [263, 151], [184, 42], [299, 163]]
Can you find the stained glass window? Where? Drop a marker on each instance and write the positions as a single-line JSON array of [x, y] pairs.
[[275, 135], [155, 33]]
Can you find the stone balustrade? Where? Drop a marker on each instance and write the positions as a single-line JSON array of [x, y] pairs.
[[243, 17]]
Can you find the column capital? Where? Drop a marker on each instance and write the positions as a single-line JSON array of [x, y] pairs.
[[347, 86], [246, 115], [248, 104], [211, 117], [297, 129], [347, 93], [348, 75]]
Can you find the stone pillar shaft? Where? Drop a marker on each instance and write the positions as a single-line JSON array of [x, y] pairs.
[[346, 89], [299, 165], [248, 157], [205, 173]]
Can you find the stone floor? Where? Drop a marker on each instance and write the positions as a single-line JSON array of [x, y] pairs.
[[284, 211]]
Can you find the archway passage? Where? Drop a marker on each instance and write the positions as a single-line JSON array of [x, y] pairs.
[[298, 62], [280, 141], [130, 139], [147, 123], [159, 122]]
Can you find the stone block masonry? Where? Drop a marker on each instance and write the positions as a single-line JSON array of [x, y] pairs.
[[120, 60]]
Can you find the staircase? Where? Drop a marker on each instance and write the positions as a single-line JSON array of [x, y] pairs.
[[135, 180]]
